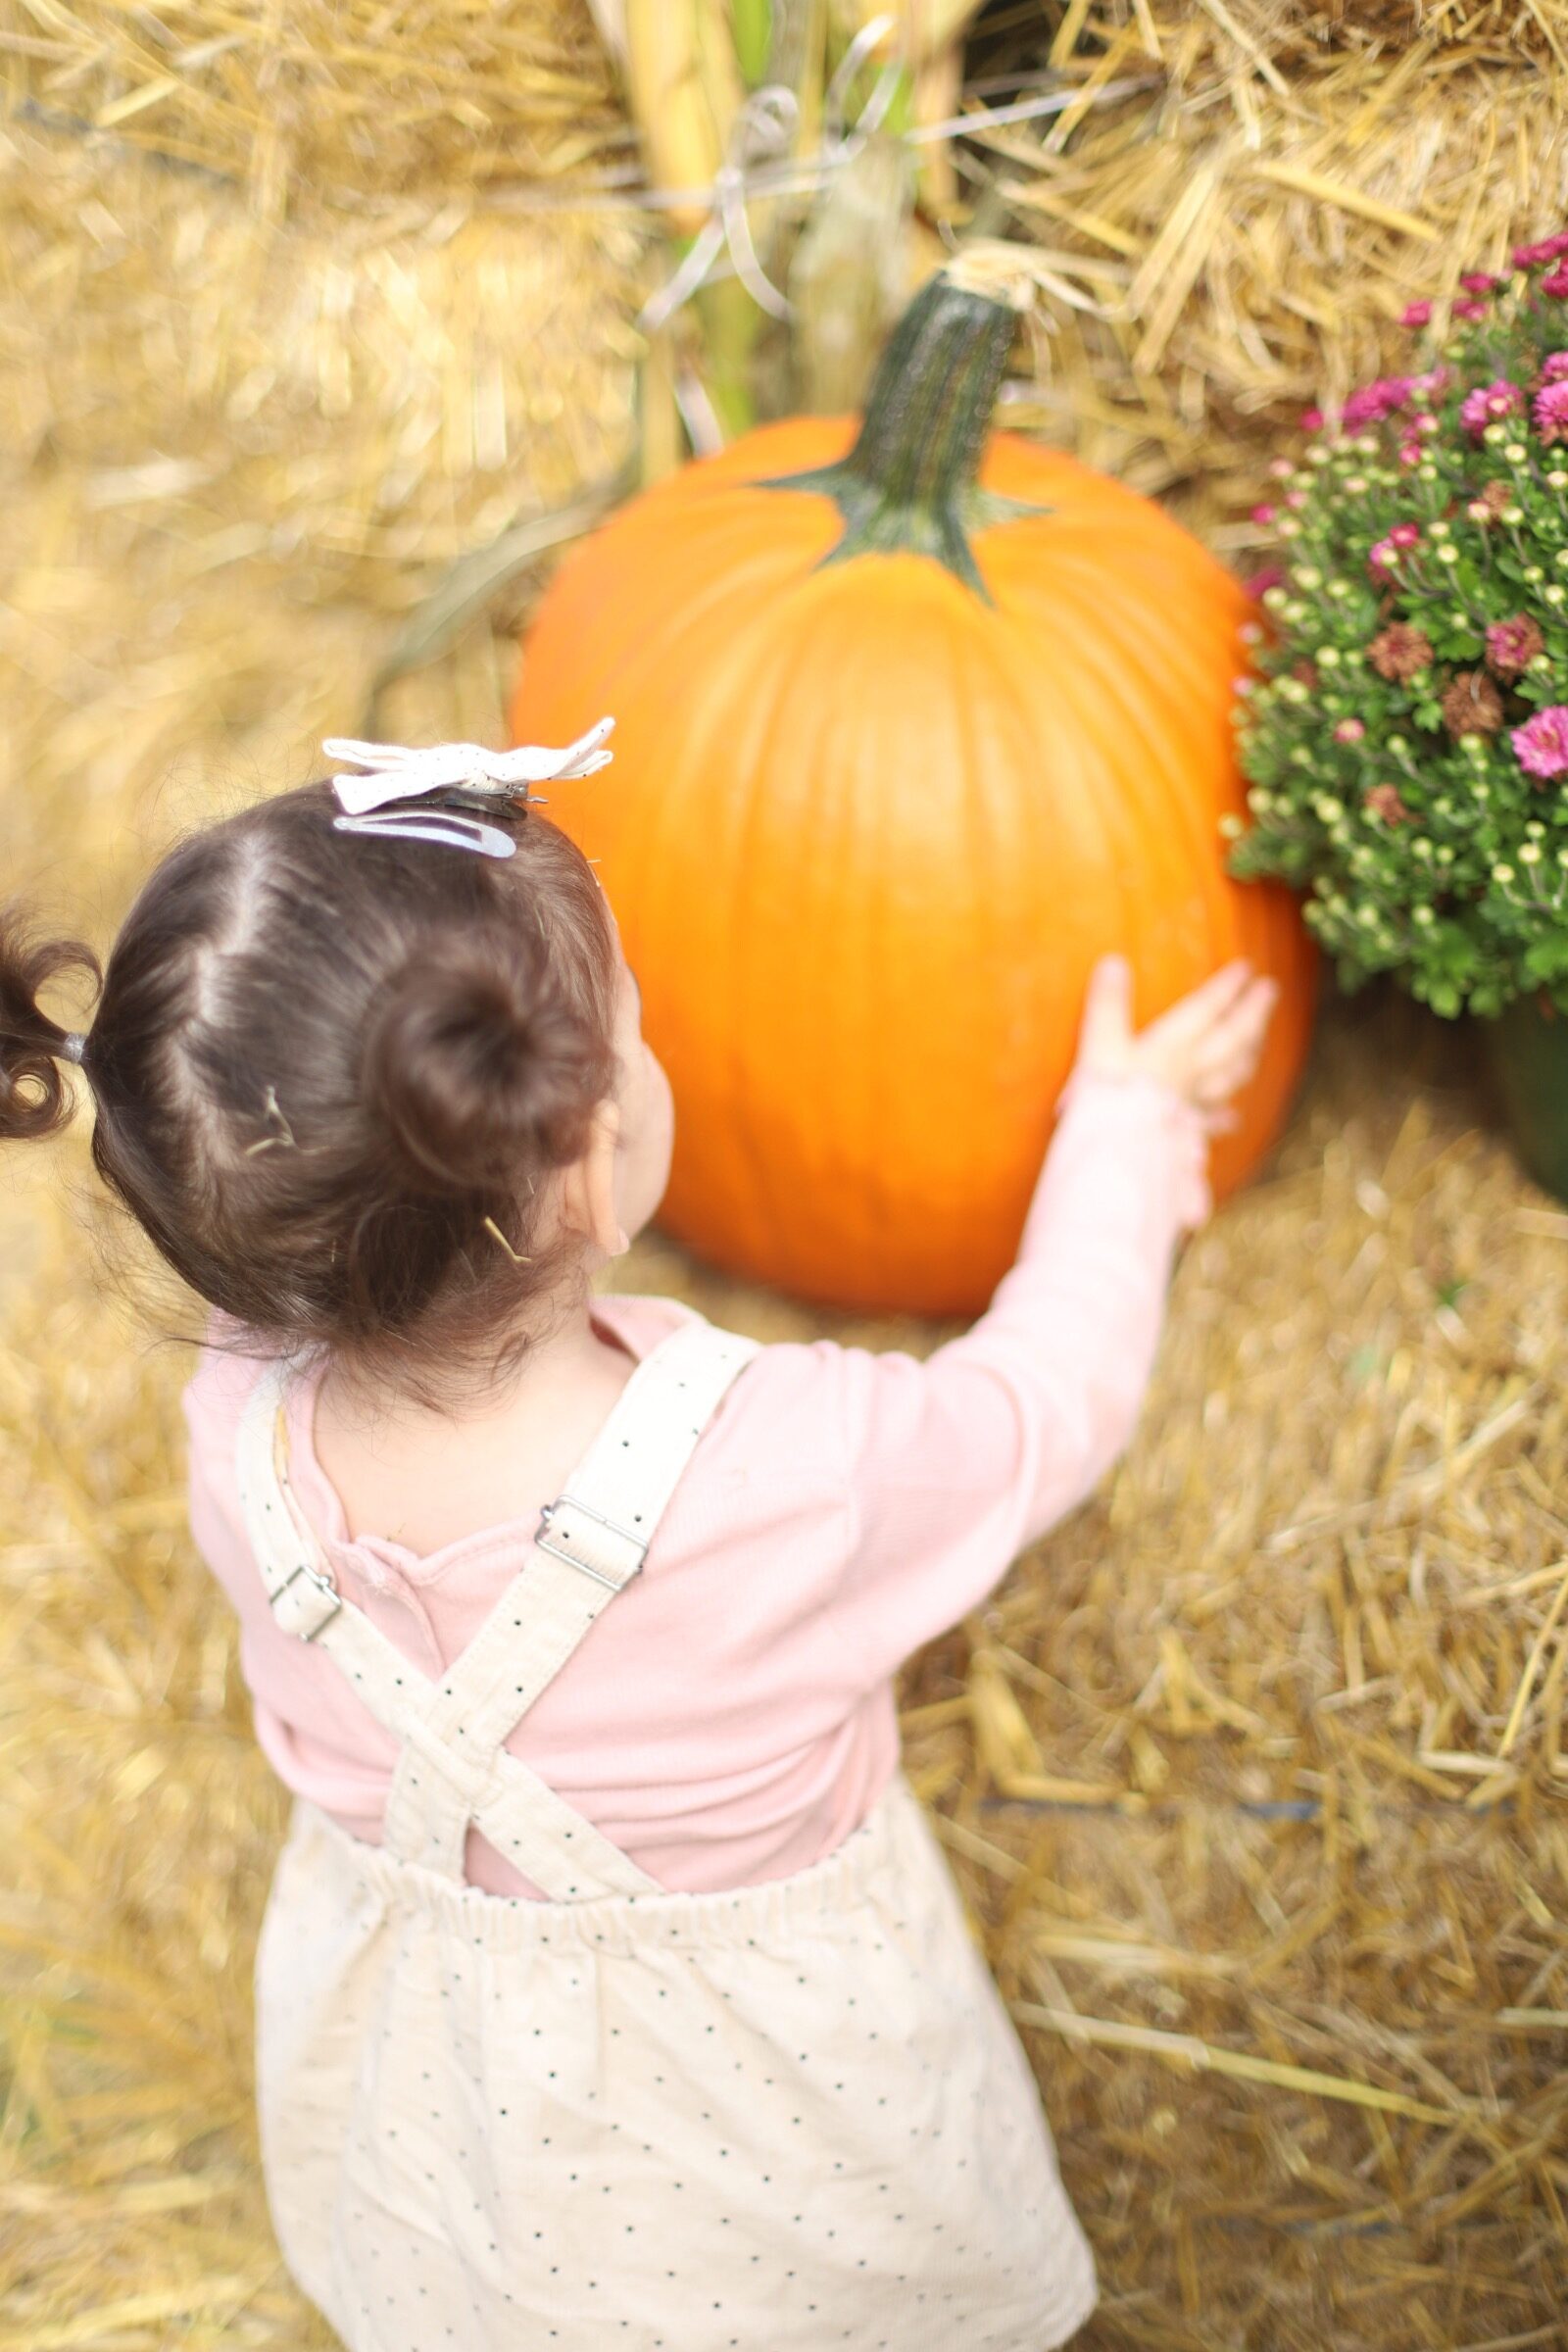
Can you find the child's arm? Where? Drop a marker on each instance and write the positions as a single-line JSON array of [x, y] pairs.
[[955, 1464]]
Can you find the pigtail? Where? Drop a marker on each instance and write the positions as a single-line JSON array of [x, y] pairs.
[[35, 1097]]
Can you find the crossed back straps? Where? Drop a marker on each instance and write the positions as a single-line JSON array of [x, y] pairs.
[[453, 1769]]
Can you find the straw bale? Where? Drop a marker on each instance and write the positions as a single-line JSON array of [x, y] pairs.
[[1249, 223], [323, 102]]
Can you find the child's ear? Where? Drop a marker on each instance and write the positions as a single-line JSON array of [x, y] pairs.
[[588, 1187]]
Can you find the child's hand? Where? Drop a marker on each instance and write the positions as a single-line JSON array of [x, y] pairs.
[[1205, 1049]]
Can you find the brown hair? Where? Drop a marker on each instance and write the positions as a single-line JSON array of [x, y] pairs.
[[328, 1070]]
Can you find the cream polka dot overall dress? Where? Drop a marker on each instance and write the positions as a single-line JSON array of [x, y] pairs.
[[777, 2120]]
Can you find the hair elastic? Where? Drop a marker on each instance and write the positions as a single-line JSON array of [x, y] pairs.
[[74, 1048]]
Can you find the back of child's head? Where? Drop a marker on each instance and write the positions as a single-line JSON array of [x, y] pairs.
[[330, 1070]]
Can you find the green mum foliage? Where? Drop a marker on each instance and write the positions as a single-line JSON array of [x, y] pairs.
[[1405, 736]]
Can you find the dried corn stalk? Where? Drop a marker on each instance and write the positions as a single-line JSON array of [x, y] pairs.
[[685, 89], [920, 29], [850, 276]]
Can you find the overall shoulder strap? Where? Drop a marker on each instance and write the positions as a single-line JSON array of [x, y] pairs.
[[453, 1768], [605, 1518], [591, 1543]]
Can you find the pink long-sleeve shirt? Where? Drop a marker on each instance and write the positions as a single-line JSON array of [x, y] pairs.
[[730, 1717]]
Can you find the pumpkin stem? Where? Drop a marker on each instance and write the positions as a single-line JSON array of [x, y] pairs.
[[909, 482]]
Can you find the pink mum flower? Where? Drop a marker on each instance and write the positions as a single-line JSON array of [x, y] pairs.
[[1383, 561], [1272, 576], [1556, 284], [1467, 306], [1312, 420], [1551, 412], [1416, 314], [1375, 401], [1532, 257], [1553, 368], [1411, 453], [1541, 745], [1489, 404], [1478, 281], [1349, 730], [1406, 534], [1512, 645], [1264, 513]]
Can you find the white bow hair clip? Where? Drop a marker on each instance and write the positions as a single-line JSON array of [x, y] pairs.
[[450, 779]]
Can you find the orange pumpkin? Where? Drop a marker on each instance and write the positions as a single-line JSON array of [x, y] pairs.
[[910, 727]]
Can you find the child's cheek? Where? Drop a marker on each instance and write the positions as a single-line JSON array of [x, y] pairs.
[[650, 1142]]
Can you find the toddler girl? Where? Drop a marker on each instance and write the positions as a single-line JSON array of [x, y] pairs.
[[613, 1990]]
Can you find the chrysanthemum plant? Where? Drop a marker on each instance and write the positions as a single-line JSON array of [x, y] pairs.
[[1406, 737]]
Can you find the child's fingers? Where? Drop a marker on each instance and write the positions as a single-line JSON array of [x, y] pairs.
[[1107, 1017], [1193, 1015], [1241, 1029], [1227, 1057]]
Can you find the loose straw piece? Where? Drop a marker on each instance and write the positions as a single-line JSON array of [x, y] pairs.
[[1527, 1681], [1348, 199], [1201, 2057]]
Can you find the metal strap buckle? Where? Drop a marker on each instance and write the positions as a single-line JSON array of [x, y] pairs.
[[570, 1531], [305, 1601]]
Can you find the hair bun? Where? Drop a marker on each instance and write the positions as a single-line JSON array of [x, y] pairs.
[[475, 1071], [34, 1099]]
